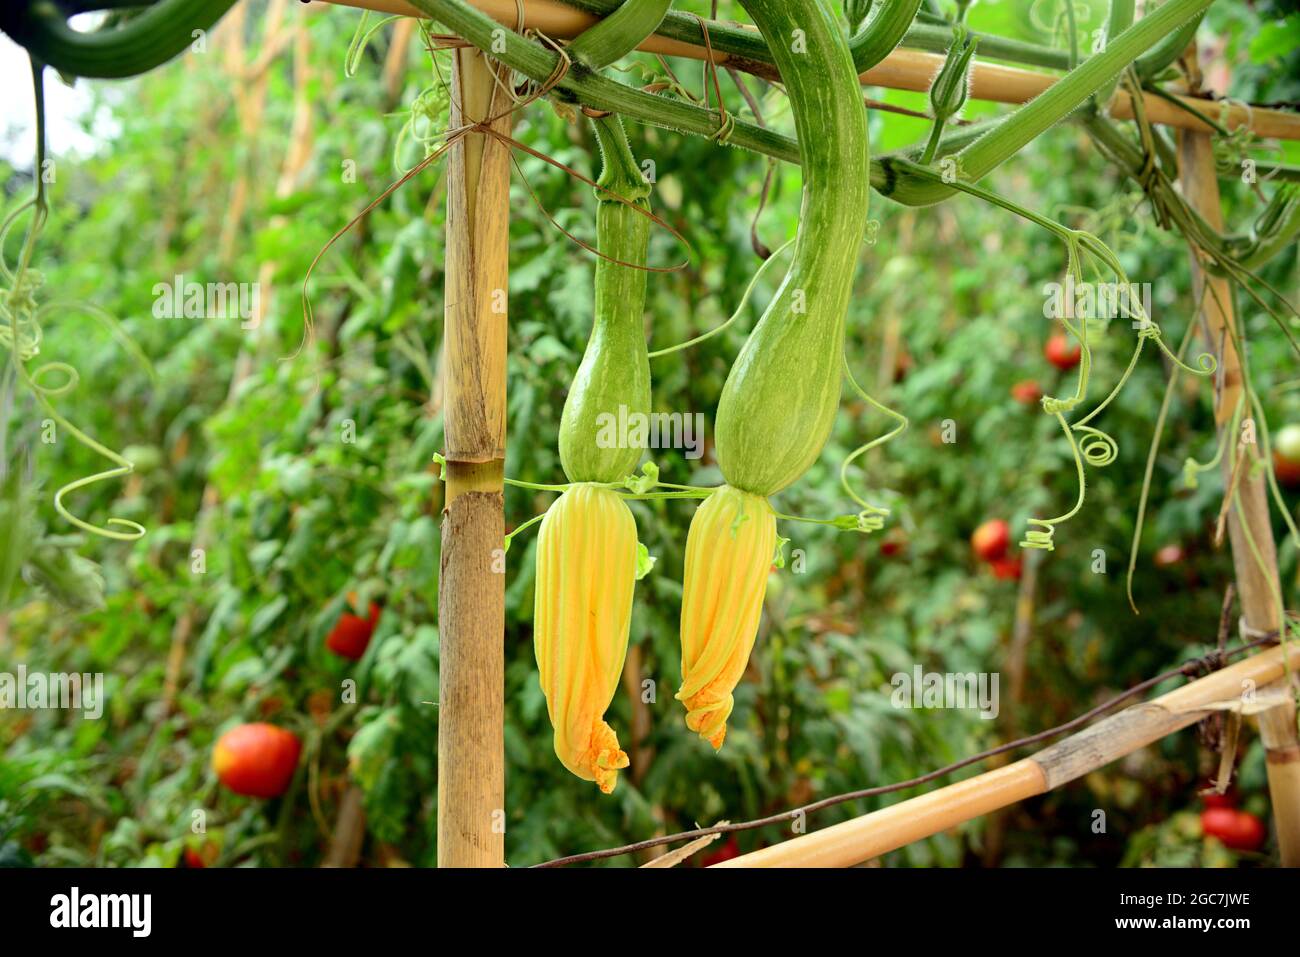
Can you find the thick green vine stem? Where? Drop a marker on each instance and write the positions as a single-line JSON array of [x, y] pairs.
[[893, 176], [1274, 230], [595, 90], [1150, 64], [856, 12], [1044, 110], [933, 36], [1118, 19], [137, 46], [618, 34], [868, 46], [883, 32]]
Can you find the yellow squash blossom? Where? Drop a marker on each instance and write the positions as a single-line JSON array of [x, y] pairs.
[[729, 553], [586, 570]]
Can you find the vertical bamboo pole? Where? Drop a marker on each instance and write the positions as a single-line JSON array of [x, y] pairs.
[[471, 593], [1248, 520], [1256, 585], [1277, 729]]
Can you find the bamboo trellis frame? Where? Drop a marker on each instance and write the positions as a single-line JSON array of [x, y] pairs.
[[904, 69], [471, 760], [869, 836]]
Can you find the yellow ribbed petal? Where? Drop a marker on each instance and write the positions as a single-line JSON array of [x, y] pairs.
[[586, 569], [729, 554]]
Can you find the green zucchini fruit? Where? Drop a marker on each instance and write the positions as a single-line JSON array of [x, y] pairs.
[[149, 39], [780, 398], [613, 379]]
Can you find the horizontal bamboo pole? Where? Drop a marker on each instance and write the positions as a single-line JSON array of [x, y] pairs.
[[869, 836], [904, 69]]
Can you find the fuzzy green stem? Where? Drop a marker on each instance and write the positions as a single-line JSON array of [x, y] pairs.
[[618, 34], [1151, 63], [1050, 106], [934, 37], [1118, 19]]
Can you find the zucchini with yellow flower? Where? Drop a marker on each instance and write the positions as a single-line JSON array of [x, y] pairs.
[[587, 546], [780, 398]]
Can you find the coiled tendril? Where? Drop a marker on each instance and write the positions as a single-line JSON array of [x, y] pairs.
[[20, 334], [1093, 446]]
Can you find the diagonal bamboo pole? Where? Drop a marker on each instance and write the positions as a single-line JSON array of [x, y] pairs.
[[904, 69], [471, 592], [862, 838]]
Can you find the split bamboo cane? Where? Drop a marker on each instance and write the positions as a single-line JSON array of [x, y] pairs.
[[869, 836], [471, 591], [1277, 729], [903, 69], [1254, 553]]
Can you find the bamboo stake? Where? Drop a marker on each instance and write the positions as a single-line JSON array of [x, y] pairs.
[[1258, 587], [1254, 554], [903, 69], [1277, 729], [471, 594], [868, 836]]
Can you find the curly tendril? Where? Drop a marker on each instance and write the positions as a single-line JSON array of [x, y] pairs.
[[871, 518], [740, 308], [20, 335], [1093, 446]]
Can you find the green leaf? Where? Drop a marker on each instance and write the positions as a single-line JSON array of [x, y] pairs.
[[266, 616], [644, 561]]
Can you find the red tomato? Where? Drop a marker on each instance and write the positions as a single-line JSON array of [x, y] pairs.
[[1007, 569], [1214, 799], [1286, 455], [191, 858], [726, 852], [891, 546], [351, 634], [990, 540], [1239, 830], [1027, 392], [1060, 353], [1287, 443], [1250, 834], [256, 760], [1218, 821], [902, 365], [1169, 555]]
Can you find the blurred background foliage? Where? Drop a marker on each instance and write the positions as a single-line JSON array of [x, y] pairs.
[[303, 471]]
